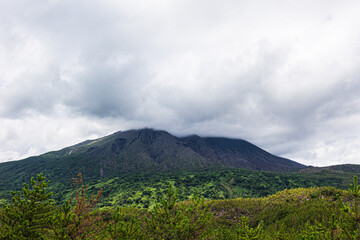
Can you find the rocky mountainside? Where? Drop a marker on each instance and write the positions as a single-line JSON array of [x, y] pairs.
[[146, 150]]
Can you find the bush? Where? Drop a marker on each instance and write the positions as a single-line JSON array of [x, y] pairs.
[[188, 220], [29, 216]]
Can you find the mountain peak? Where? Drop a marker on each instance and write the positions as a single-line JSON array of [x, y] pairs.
[[149, 150]]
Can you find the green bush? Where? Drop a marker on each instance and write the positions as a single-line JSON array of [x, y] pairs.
[[188, 220], [29, 216], [124, 226]]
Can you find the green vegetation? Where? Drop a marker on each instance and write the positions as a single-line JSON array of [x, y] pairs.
[[169, 220], [29, 217], [300, 213], [143, 190]]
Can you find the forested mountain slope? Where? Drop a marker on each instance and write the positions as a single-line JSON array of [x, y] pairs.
[[143, 151]]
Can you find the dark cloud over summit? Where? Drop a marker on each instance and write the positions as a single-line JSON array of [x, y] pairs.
[[283, 75]]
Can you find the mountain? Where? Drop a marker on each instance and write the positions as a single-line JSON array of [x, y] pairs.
[[342, 168], [152, 150], [135, 167], [138, 152]]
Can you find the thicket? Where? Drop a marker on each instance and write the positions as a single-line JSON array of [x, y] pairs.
[[302, 213]]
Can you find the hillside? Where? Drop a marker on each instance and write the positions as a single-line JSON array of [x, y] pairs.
[[143, 190], [150, 150], [342, 168], [135, 167], [141, 151], [277, 196]]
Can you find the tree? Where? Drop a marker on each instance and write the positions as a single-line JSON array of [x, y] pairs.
[[65, 222], [124, 226], [244, 232], [347, 227], [188, 220], [79, 221], [351, 227], [29, 216]]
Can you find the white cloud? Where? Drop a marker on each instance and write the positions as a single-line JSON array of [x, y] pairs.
[[282, 74]]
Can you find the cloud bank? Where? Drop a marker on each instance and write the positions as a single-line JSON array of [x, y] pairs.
[[283, 75]]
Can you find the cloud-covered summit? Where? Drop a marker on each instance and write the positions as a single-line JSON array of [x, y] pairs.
[[283, 75]]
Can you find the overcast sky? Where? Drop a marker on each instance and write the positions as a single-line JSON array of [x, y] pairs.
[[284, 75]]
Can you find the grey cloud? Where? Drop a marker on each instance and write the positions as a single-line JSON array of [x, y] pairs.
[[273, 73], [108, 91], [29, 93]]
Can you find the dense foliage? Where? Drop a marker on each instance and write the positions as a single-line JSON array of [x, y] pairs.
[[300, 213], [140, 189], [28, 217]]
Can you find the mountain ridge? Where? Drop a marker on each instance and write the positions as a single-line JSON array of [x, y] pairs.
[[148, 150], [146, 159], [160, 150]]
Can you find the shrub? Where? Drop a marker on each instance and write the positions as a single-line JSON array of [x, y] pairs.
[[79, 221], [29, 216], [169, 220], [124, 226]]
